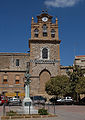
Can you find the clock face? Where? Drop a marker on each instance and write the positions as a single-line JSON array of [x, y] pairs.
[[44, 19]]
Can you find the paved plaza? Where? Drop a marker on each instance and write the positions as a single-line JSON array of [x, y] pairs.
[[64, 112]]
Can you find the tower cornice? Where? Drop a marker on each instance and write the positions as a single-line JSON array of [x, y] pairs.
[[44, 41]]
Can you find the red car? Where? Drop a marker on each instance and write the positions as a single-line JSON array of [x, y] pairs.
[[3, 99]]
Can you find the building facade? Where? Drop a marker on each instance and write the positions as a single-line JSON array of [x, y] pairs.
[[44, 52], [80, 61], [12, 69], [44, 60]]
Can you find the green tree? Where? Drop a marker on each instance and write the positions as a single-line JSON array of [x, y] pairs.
[[74, 78], [58, 86], [80, 86]]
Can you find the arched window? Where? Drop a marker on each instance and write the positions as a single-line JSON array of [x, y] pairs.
[[36, 32], [44, 30], [52, 33], [45, 53]]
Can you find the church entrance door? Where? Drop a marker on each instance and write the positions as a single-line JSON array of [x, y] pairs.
[[44, 77]]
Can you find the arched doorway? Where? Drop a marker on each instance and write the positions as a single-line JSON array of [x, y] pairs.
[[44, 77]]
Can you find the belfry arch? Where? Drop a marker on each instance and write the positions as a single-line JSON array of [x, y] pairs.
[[44, 76]]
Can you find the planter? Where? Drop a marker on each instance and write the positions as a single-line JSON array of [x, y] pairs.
[[18, 116]]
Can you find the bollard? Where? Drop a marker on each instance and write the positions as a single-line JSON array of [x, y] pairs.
[[54, 108], [4, 109]]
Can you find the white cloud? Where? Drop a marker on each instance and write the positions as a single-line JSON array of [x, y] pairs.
[[61, 3]]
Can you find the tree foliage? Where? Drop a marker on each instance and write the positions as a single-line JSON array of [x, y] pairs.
[[80, 86], [77, 72], [76, 79], [58, 86], [73, 85]]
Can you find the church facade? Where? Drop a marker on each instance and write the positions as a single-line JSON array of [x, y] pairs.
[[43, 60], [44, 52]]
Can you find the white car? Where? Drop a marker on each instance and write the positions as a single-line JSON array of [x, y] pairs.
[[14, 101], [66, 99], [60, 100]]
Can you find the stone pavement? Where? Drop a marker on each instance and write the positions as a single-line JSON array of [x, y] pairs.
[[64, 112], [71, 112]]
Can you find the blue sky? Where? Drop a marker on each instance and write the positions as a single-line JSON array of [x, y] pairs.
[[15, 28]]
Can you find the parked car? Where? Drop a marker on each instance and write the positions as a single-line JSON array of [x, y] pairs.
[[53, 100], [38, 99], [66, 100], [3, 99], [82, 101], [61, 100], [14, 101]]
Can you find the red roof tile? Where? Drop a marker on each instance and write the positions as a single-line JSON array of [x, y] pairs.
[[81, 56]]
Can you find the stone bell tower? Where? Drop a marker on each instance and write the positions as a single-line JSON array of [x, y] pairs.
[[44, 52]]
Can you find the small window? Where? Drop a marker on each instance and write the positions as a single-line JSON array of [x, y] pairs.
[[44, 30], [45, 53], [36, 32], [17, 79], [67, 70], [28, 64], [44, 34], [5, 79], [4, 95], [17, 62], [52, 33], [82, 60]]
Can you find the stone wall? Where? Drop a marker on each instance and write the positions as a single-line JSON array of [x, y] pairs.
[[9, 69]]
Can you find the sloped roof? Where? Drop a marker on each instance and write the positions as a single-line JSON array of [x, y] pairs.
[[80, 56]]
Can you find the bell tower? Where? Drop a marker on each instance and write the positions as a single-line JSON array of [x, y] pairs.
[[44, 52]]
